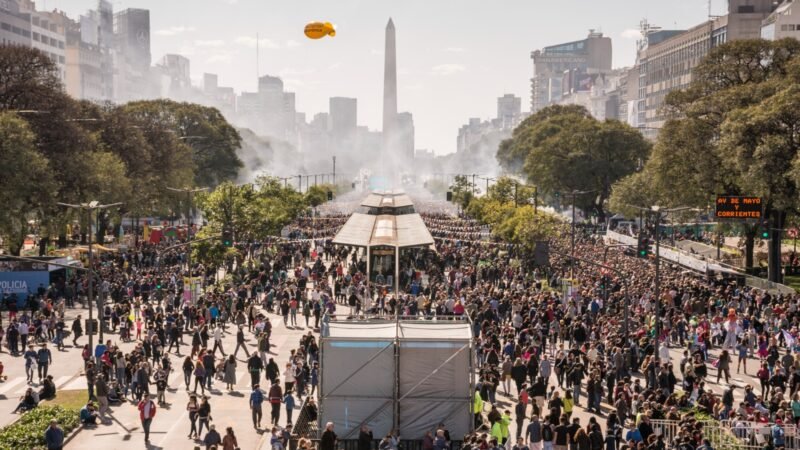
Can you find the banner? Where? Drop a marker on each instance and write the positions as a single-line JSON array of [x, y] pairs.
[[192, 286]]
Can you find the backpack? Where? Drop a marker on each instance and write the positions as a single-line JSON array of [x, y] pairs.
[[547, 433]]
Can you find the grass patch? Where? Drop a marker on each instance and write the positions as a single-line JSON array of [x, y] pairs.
[[793, 281], [71, 399], [28, 431]]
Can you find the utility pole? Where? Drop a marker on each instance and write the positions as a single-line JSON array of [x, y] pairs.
[[190, 193], [300, 184], [574, 194], [334, 170], [657, 297], [89, 208]]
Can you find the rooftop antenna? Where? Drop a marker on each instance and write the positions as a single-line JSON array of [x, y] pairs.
[[258, 67]]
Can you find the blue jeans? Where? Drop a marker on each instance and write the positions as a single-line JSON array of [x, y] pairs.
[[576, 393]]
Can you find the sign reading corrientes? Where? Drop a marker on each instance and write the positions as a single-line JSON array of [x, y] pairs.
[[734, 207]]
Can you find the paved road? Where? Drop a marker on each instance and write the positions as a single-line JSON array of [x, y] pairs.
[[171, 424]]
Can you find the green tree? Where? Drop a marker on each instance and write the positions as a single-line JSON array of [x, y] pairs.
[[213, 141], [25, 179], [316, 195], [462, 189], [565, 149], [727, 134]]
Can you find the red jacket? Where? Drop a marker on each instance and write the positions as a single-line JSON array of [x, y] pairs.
[[152, 409]]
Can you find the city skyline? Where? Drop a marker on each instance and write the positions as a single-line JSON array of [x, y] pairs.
[[449, 69]]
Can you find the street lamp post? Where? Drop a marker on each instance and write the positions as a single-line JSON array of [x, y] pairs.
[[190, 193], [659, 214], [574, 194], [90, 207]]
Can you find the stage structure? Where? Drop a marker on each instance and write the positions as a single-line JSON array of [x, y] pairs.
[[396, 372], [387, 228]]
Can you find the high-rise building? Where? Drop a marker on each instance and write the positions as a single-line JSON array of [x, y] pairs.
[[509, 108], [15, 25], [588, 56], [210, 83], [175, 75], [47, 34], [343, 121], [666, 58], [389, 89], [782, 23], [405, 136], [132, 55]]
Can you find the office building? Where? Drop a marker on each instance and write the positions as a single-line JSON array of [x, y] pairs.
[[404, 133], [175, 81], [509, 108], [784, 22], [15, 25], [665, 59], [343, 121], [588, 56], [132, 58]]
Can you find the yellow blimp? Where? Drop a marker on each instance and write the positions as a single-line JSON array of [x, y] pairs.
[[318, 30]]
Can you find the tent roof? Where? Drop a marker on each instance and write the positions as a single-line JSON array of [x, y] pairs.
[[387, 200], [363, 230], [438, 330], [372, 330], [408, 329]]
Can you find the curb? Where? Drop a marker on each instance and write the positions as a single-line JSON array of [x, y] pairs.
[[72, 435]]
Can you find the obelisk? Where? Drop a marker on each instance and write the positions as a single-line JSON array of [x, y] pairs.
[[389, 95]]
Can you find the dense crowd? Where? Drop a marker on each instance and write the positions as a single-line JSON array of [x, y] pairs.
[[549, 340]]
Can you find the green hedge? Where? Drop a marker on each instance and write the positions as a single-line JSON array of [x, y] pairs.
[[28, 431]]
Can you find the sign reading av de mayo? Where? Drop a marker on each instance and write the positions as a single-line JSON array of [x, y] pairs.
[[738, 207]]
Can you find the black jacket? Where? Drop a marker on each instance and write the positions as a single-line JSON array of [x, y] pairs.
[[365, 440]]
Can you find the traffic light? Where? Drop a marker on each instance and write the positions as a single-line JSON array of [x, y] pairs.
[[643, 246], [765, 231], [330, 195], [227, 237], [449, 196]]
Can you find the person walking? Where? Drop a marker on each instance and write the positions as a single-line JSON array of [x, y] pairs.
[[44, 359], [229, 441], [54, 436], [288, 401], [147, 410], [212, 439], [192, 407], [77, 331], [329, 440], [218, 341], [254, 366], [101, 391], [229, 375], [30, 362], [203, 415], [256, 400], [240, 343], [275, 397]]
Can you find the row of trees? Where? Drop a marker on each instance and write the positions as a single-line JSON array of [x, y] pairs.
[[735, 130], [508, 208], [253, 212], [561, 149], [54, 148]]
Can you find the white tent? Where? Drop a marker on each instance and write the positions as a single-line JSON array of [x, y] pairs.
[[405, 374]]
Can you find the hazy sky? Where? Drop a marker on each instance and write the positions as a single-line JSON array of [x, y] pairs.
[[454, 57]]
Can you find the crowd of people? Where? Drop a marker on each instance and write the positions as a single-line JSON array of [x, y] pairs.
[[549, 341]]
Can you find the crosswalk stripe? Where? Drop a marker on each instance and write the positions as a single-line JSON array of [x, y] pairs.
[[10, 384], [61, 380], [78, 383]]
